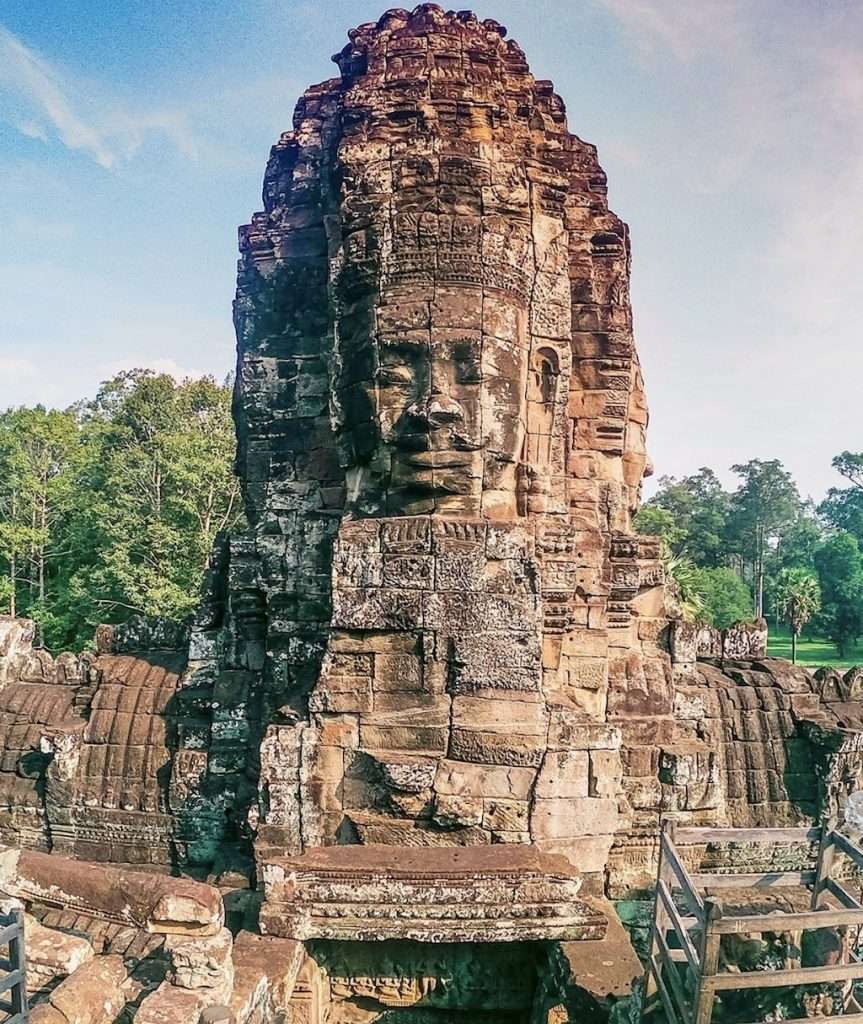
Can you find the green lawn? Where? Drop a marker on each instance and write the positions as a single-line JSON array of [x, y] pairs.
[[811, 652]]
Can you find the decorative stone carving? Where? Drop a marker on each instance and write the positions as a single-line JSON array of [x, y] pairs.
[[153, 903], [494, 894]]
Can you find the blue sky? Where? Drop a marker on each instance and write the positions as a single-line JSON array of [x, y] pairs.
[[133, 139]]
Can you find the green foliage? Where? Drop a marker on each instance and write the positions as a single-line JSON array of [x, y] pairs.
[[691, 516], [843, 510], [653, 520], [685, 574], [111, 508], [840, 572], [798, 599], [38, 462], [850, 465], [725, 598], [843, 506], [762, 535], [763, 507]]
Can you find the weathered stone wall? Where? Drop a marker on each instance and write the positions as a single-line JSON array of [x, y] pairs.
[[88, 743]]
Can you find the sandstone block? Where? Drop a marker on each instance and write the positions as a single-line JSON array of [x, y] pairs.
[[338, 730], [495, 661], [203, 964], [94, 993], [564, 775], [400, 672], [503, 782], [265, 970], [510, 816], [171, 1005], [408, 775], [52, 955], [573, 732], [522, 718], [404, 738], [460, 612], [457, 811], [153, 903], [45, 1013], [606, 771], [409, 572], [587, 853], [564, 819], [377, 608], [496, 748]]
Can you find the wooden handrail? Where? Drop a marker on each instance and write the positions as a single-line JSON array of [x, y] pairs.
[[14, 980], [664, 963], [842, 894], [848, 848], [799, 922], [679, 928], [746, 835], [779, 979], [668, 851], [753, 880]]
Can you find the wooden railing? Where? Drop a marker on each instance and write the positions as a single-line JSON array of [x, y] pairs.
[[686, 975], [13, 970]]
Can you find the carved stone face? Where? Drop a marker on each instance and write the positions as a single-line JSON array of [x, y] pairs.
[[430, 416], [448, 407]]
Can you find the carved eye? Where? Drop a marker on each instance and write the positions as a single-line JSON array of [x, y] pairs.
[[394, 376], [467, 366]]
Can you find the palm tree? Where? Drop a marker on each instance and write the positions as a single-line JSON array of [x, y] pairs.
[[684, 572], [798, 598]]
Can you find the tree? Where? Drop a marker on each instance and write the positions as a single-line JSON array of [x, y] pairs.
[[765, 504], [684, 573], [156, 488], [691, 514], [842, 509], [798, 598], [850, 465], [38, 451], [843, 506], [655, 521], [725, 598], [840, 573], [111, 507]]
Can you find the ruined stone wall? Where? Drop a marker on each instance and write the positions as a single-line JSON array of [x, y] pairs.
[[88, 745]]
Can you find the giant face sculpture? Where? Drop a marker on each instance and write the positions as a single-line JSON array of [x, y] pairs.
[[439, 425]]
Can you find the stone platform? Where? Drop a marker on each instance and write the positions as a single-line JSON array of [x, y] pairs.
[[499, 893]]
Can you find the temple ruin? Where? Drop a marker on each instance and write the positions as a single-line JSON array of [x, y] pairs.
[[409, 761]]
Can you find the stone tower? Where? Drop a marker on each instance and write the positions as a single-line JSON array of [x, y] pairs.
[[442, 423]]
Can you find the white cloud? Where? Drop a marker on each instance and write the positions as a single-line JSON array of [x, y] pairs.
[[683, 28], [12, 367], [43, 103], [770, 109], [164, 365]]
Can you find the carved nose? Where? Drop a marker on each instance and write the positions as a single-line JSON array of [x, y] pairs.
[[443, 410], [436, 411]]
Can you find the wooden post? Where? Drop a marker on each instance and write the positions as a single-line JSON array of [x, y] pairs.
[[710, 940], [650, 987], [824, 866], [18, 962]]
